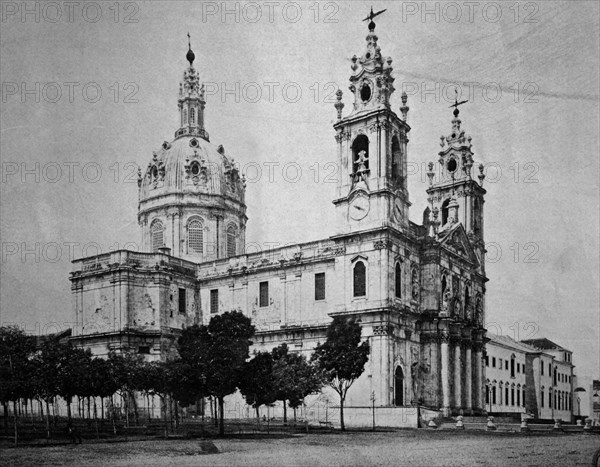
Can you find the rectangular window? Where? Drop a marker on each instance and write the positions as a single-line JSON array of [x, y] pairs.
[[144, 349], [493, 362], [550, 398], [542, 368], [518, 367], [518, 397], [500, 363], [320, 286], [263, 293], [506, 396], [487, 361], [494, 395], [542, 399], [182, 307], [512, 396], [214, 301], [523, 398], [506, 364]]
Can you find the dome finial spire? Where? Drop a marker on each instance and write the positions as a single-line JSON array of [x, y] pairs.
[[190, 56]]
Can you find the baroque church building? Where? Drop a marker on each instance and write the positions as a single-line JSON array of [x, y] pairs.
[[418, 290]]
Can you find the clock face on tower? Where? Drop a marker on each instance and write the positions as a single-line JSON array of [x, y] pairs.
[[359, 207], [398, 210]]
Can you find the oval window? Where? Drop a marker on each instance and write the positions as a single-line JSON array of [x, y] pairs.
[[365, 93], [451, 165], [195, 169]]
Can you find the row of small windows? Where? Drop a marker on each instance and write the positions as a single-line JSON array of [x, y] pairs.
[[562, 400], [195, 237], [513, 396], [558, 377], [515, 367], [263, 293]]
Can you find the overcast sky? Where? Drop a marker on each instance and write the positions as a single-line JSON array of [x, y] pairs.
[[70, 154]]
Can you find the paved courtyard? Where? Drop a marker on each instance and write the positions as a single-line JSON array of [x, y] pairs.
[[410, 448]]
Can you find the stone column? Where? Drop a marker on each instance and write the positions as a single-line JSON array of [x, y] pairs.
[[445, 374], [468, 379], [478, 377], [457, 376]]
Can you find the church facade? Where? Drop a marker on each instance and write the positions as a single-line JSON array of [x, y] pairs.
[[418, 290]]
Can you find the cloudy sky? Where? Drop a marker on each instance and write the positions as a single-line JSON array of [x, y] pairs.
[[89, 91]]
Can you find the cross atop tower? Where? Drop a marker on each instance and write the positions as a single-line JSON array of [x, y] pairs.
[[456, 103], [370, 18]]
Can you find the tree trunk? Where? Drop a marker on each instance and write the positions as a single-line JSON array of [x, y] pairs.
[[5, 405], [257, 414], [15, 421], [68, 401], [221, 417], [294, 415], [96, 419], [284, 412], [343, 427], [164, 411], [135, 408], [113, 414], [48, 418]]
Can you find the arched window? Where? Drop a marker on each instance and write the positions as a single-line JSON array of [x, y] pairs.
[[398, 281], [231, 240], [192, 116], [494, 393], [555, 374], [185, 122], [156, 234], [360, 154], [360, 279], [399, 387], [195, 237], [445, 211], [396, 159], [444, 285]]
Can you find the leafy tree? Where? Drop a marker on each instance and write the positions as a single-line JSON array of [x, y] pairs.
[[228, 343], [72, 375], [16, 353], [342, 357], [127, 375], [294, 378], [257, 383]]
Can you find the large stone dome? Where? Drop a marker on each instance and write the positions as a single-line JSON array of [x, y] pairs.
[[190, 166], [191, 195]]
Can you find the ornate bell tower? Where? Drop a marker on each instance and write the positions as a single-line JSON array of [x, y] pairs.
[[371, 140], [454, 196]]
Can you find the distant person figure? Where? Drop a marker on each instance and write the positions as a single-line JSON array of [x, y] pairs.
[[73, 433]]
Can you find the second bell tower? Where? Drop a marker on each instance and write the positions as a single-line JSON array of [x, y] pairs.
[[371, 141]]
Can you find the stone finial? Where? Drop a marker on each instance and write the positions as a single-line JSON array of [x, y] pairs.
[[459, 423], [339, 105], [430, 173], [404, 109], [354, 66], [491, 426], [481, 175]]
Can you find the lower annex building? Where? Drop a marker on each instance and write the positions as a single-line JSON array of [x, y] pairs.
[[419, 290], [534, 377]]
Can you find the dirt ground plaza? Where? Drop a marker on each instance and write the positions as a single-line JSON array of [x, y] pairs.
[[398, 448]]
